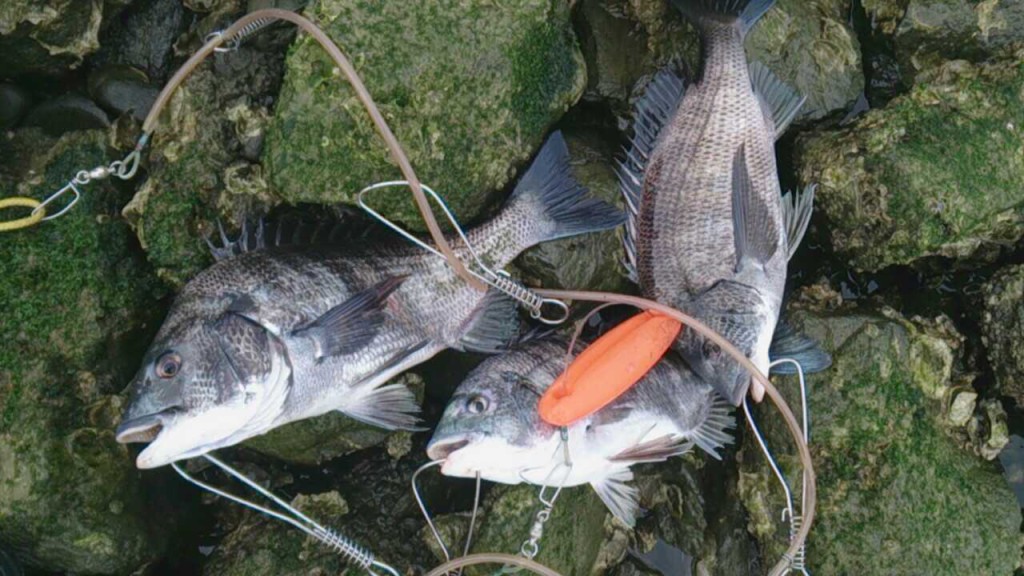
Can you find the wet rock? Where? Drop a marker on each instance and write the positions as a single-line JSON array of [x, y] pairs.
[[935, 172], [932, 31], [214, 121], [14, 102], [1002, 325], [885, 15], [70, 497], [808, 44], [67, 113], [326, 437], [811, 46], [591, 261], [470, 94], [47, 36], [122, 89], [573, 537], [142, 37], [612, 50], [891, 479], [262, 545]]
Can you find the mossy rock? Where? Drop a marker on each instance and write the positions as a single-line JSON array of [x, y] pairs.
[[469, 90], [807, 43], [1002, 325], [79, 303], [262, 545], [938, 171], [314, 440], [47, 36], [590, 261], [896, 494], [573, 537]]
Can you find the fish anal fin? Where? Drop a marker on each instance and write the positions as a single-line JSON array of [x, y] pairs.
[[351, 325], [494, 326], [619, 495], [752, 225]]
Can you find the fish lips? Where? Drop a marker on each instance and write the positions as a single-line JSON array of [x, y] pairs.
[[143, 428], [441, 450]]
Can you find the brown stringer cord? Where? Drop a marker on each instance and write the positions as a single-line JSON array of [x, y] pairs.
[[422, 203]]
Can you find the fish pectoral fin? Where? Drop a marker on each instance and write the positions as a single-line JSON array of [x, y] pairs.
[[619, 495], [351, 325], [656, 450], [392, 406], [711, 435], [780, 101], [788, 343], [797, 208], [494, 325], [751, 218]]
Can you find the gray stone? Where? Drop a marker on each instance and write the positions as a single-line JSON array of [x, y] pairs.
[[67, 113], [14, 102], [1002, 325], [122, 89]]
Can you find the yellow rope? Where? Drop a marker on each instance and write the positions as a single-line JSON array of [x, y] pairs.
[[19, 223]]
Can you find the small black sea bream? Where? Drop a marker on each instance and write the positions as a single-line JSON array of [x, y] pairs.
[[710, 232], [491, 426], [279, 334]]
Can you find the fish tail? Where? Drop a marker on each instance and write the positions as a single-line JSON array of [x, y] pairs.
[[557, 205], [716, 13]]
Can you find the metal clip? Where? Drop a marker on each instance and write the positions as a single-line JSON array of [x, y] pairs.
[[351, 551], [430, 521], [500, 280], [232, 44]]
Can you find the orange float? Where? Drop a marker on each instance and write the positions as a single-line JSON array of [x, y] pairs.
[[608, 368]]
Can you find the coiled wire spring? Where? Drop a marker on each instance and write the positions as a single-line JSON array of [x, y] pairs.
[[236, 40]]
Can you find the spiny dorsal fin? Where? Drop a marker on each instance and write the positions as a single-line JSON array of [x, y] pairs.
[[788, 343], [351, 325], [651, 113], [621, 497], [780, 101], [752, 229], [796, 215], [494, 326]]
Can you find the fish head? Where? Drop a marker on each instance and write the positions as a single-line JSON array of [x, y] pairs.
[[491, 426], [713, 365], [205, 383]]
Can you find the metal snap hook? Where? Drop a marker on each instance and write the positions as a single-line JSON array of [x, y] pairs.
[[72, 186]]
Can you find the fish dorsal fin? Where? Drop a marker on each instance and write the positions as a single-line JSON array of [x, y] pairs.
[[797, 208], [351, 325], [788, 343], [619, 495], [494, 326], [752, 230], [780, 101], [711, 435], [656, 450], [651, 113], [392, 406]]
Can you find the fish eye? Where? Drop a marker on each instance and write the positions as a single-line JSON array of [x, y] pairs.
[[477, 404], [168, 365], [711, 350]]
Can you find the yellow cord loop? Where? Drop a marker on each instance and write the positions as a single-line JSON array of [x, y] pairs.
[[18, 223]]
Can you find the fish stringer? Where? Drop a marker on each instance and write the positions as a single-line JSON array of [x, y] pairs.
[[348, 549]]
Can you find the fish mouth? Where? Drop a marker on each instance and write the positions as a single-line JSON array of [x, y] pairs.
[[142, 429], [442, 450]]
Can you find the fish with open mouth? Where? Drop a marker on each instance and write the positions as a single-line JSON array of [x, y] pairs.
[[282, 333], [710, 232], [491, 426]]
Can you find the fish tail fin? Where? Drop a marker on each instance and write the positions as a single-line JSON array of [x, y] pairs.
[[712, 13], [392, 406], [559, 205]]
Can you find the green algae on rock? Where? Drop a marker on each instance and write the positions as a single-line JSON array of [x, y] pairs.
[[1002, 324], [573, 537], [469, 91], [70, 497], [810, 46], [47, 36], [896, 494], [315, 440], [938, 171], [592, 261]]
